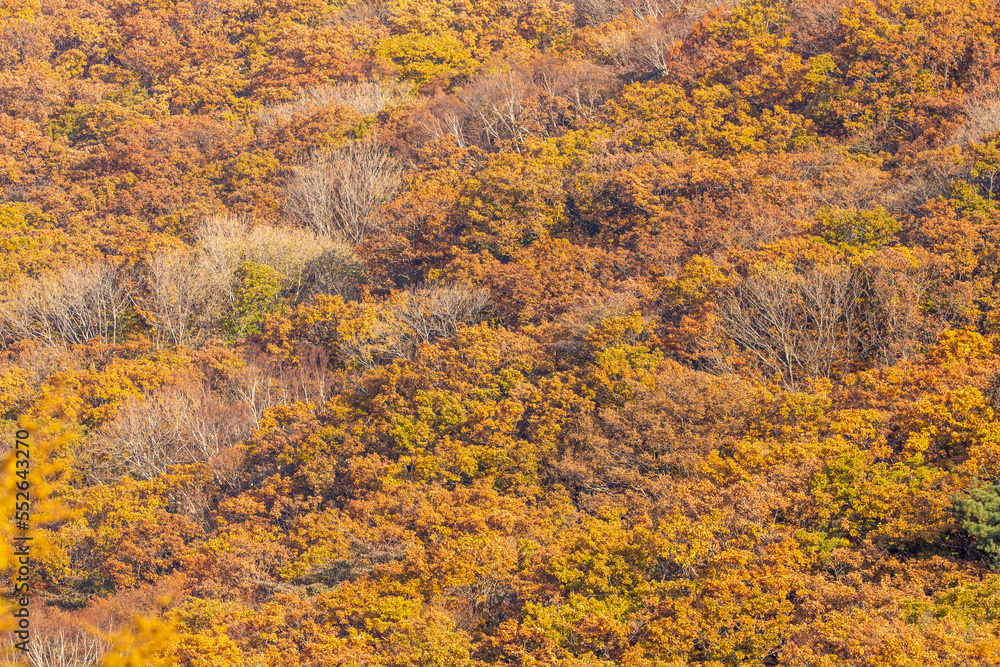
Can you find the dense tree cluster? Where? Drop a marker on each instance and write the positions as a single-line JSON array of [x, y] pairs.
[[437, 333]]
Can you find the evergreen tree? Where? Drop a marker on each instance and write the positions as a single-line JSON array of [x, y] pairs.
[[980, 512]]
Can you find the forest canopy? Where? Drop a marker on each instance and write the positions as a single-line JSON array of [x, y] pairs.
[[443, 333]]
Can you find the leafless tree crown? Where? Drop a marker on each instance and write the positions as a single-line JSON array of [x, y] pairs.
[[365, 97], [420, 315], [173, 425], [338, 193], [186, 297], [69, 306], [822, 320], [61, 649], [982, 115], [191, 421]]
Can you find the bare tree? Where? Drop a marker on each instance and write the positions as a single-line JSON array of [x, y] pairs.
[[365, 97], [649, 48], [596, 12], [176, 424], [828, 319], [894, 321], [69, 306], [651, 10], [924, 177], [581, 83], [444, 115], [617, 47], [311, 263], [186, 296], [213, 426], [652, 48], [420, 315], [337, 270], [256, 384], [833, 180], [144, 439], [500, 103], [63, 649], [982, 115], [221, 239], [512, 102], [338, 193], [189, 291], [310, 380], [796, 324], [428, 313], [263, 381]]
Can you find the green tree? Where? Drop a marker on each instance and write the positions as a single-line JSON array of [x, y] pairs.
[[257, 290], [980, 513]]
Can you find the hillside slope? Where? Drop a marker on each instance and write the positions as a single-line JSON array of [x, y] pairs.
[[438, 333]]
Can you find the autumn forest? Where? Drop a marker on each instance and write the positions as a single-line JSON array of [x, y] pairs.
[[441, 333]]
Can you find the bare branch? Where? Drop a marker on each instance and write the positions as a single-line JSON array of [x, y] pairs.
[[70, 306], [338, 193], [366, 98]]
